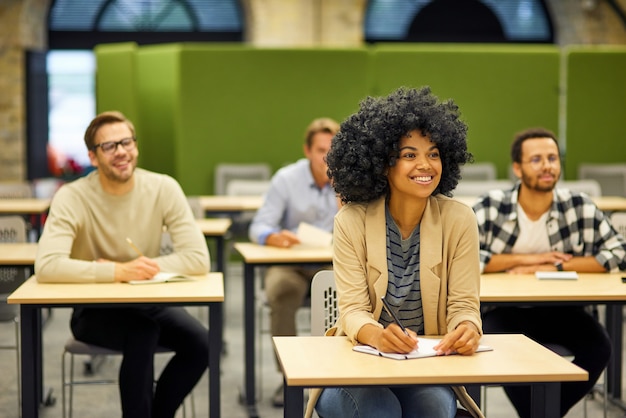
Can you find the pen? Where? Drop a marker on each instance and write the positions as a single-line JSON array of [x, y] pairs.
[[132, 244], [393, 315]]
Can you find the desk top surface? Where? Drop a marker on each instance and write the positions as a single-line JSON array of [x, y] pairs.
[[18, 253], [266, 254], [24, 206], [589, 287], [223, 203], [332, 362], [214, 227], [604, 203], [207, 288]]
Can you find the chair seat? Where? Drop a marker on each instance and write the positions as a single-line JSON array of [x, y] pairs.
[[74, 346]]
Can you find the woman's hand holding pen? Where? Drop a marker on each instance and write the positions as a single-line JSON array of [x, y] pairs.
[[463, 340], [393, 340]]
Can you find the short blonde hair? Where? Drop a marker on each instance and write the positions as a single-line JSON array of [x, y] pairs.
[[326, 125]]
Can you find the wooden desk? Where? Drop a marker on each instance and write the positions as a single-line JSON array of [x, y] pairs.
[[216, 228], [260, 255], [37, 208], [32, 296], [589, 288], [330, 362], [604, 203], [230, 204], [18, 254]]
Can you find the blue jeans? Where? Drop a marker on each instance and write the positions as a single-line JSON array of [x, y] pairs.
[[388, 402]]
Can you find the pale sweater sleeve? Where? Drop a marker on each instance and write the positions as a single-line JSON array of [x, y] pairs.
[[53, 263]]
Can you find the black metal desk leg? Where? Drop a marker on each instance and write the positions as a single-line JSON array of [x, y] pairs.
[[546, 400], [249, 327], [215, 352], [614, 324], [294, 401], [31, 361]]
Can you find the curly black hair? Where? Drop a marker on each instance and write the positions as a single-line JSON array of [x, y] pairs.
[[367, 142]]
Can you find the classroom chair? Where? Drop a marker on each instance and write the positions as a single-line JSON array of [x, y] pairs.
[[589, 186], [74, 347], [612, 177], [479, 172], [324, 311]]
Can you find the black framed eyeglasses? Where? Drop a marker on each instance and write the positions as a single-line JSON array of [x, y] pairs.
[[109, 147]]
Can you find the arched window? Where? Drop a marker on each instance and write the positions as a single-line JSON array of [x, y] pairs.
[[80, 24], [510, 21]]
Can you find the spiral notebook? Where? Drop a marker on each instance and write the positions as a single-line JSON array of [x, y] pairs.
[[425, 349]]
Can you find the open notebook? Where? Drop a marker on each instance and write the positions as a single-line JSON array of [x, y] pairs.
[[162, 277], [425, 349]]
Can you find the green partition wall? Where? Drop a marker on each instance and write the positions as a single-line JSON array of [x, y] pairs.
[[596, 106], [196, 105], [500, 89], [115, 80], [202, 104]]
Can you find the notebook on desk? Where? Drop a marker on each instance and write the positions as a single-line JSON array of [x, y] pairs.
[[556, 275], [425, 349], [163, 277]]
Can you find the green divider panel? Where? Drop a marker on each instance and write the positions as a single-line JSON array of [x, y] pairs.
[[158, 98], [500, 89], [241, 104], [115, 79], [596, 105]]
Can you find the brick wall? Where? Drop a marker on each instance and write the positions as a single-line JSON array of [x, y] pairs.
[[21, 28], [272, 23]]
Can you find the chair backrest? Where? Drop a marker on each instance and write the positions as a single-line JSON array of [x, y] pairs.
[[618, 220], [12, 229], [16, 190], [247, 187], [225, 173], [324, 312], [612, 177], [590, 187], [196, 207], [479, 171], [477, 188]]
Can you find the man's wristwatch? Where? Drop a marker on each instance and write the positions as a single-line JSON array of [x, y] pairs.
[[559, 266]]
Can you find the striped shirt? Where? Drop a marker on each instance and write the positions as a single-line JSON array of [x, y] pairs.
[[403, 288]]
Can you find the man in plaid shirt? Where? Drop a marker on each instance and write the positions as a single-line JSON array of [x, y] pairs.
[[534, 227]]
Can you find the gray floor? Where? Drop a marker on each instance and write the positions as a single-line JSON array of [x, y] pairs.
[[102, 401]]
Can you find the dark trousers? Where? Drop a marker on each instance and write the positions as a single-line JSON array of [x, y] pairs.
[[571, 327], [137, 332]]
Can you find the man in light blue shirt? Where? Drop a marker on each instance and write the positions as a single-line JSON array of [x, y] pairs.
[[299, 192]]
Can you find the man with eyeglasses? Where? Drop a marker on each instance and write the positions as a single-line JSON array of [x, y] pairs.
[[85, 241], [539, 227]]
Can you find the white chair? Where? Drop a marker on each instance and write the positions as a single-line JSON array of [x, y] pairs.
[[16, 190], [478, 171], [225, 173], [478, 188], [324, 311], [12, 229], [612, 177], [241, 221], [590, 187]]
